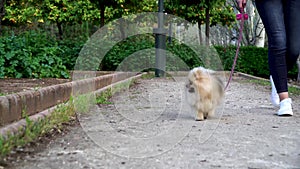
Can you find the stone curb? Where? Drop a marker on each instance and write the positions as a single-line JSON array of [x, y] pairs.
[[17, 127], [14, 106]]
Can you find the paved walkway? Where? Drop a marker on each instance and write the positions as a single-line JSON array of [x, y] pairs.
[[150, 126]]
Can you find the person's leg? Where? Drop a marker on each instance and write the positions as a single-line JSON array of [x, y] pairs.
[[292, 22], [292, 25], [272, 15]]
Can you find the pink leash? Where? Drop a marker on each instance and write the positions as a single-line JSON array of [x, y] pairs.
[[242, 16]]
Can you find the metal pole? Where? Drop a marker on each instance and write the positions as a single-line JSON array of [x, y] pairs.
[[160, 42]]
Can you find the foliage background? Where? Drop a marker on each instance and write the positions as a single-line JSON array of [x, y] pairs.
[[43, 38]]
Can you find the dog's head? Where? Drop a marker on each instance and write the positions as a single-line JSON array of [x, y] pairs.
[[194, 75], [190, 87]]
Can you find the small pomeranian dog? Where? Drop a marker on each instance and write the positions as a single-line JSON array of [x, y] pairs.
[[204, 92]]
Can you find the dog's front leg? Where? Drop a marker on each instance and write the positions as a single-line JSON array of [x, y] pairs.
[[199, 116], [211, 113]]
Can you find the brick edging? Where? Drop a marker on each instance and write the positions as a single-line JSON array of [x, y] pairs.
[[14, 106], [16, 127]]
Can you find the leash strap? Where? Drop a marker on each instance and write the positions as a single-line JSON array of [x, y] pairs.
[[241, 17]]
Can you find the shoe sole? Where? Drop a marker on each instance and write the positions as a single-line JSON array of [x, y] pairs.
[[285, 114]]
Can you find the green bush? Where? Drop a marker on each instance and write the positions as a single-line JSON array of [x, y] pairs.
[[70, 49], [138, 51], [185, 53], [35, 54], [251, 60], [132, 49]]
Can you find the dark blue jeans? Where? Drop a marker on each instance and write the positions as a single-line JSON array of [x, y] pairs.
[[281, 19]]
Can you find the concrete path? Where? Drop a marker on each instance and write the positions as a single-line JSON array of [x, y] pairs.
[[150, 126]]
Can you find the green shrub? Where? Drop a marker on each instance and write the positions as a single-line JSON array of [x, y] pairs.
[[251, 60], [138, 51], [131, 46], [70, 49], [185, 53], [35, 54], [32, 54]]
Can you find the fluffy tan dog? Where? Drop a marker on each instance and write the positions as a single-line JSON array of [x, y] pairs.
[[204, 92]]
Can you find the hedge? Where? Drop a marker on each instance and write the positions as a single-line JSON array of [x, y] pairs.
[[38, 55], [251, 60]]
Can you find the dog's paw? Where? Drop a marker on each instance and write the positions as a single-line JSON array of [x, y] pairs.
[[199, 117]]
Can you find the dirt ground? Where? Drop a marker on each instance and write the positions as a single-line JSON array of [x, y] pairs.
[[10, 85], [13, 85]]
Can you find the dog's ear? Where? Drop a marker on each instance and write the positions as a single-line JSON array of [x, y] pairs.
[[197, 74]]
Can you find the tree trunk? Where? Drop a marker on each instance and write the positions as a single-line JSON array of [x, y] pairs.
[[102, 16], [255, 34], [298, 64], [60, 31], [122, 25], [2, 13], [207, 22], [249, 33], [199, 32], [260, 34]]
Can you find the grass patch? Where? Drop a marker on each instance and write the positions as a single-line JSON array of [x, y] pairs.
[[259, 82], [292, 90], [82, 103], [62, 115], [148, 75], [34, 129], [104, 97], [3, 94]]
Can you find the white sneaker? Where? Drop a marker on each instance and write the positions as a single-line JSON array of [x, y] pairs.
[[274, 95], [285, 108]]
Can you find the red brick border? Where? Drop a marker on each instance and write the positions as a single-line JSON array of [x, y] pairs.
[[13, 106]]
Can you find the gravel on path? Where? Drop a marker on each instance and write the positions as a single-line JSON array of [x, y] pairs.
[[150, 126]]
